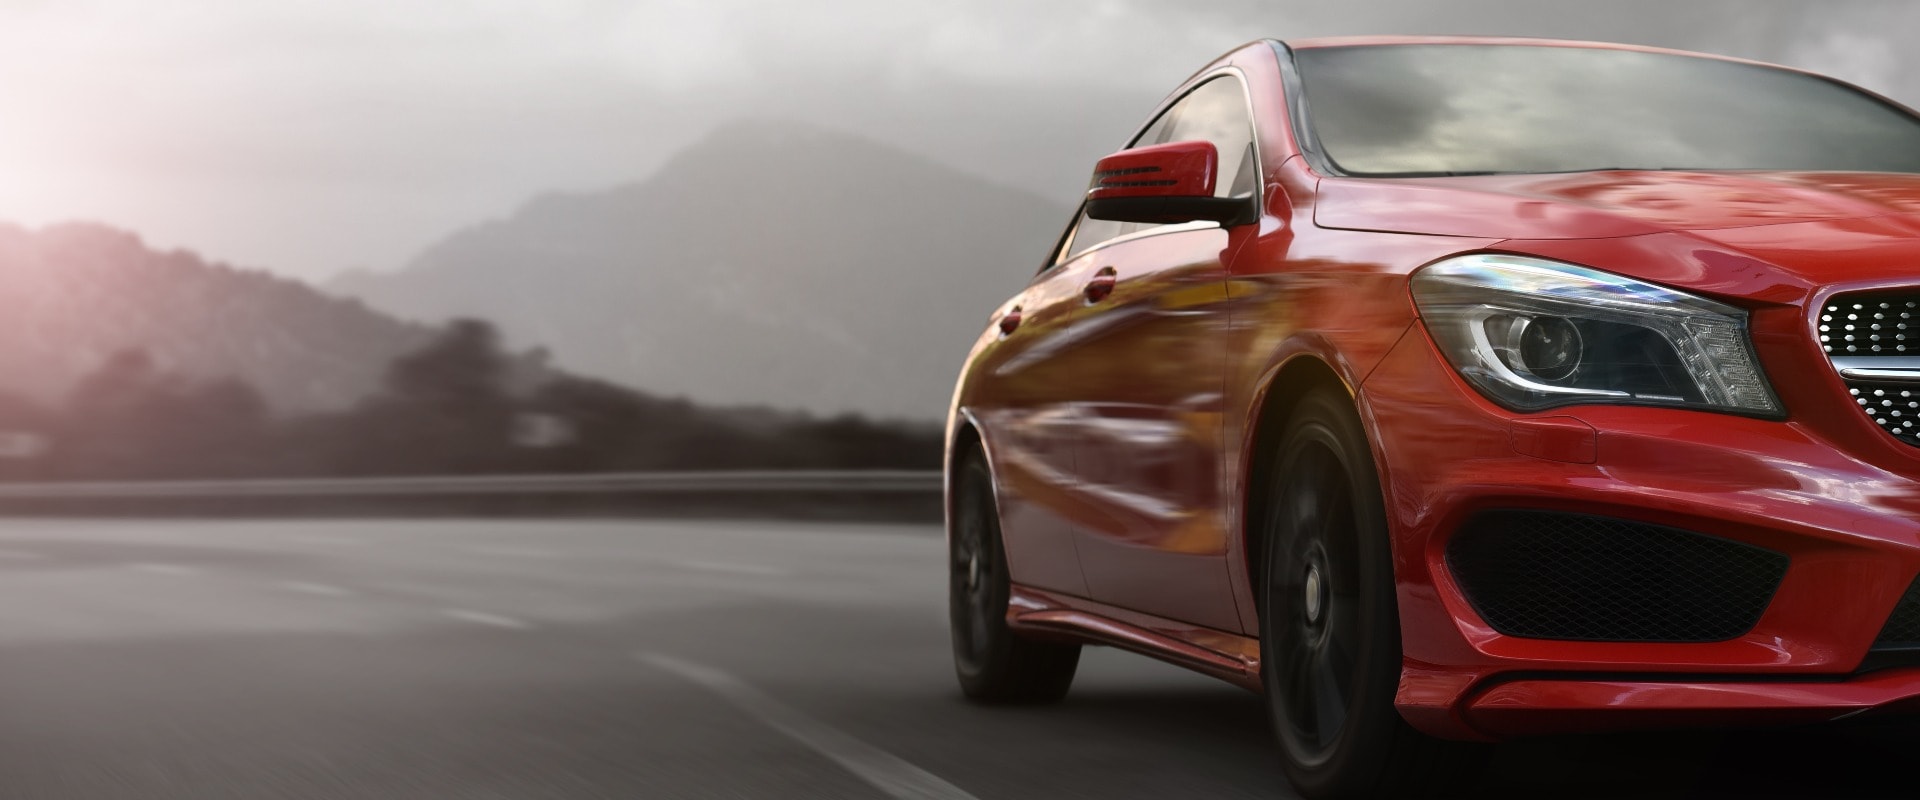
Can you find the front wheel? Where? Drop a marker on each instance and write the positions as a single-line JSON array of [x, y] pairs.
[[1329, 624], [993, 663]]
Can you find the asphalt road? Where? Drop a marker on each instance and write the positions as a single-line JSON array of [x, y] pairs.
[[623, 659]]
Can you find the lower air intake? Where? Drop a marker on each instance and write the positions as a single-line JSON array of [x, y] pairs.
[[1902, 631], [1544, 575]]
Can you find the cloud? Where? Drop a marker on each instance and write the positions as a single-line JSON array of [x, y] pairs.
[[311, 137], [1852, 46]]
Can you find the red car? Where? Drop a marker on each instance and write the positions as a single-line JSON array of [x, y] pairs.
[[1445, 390]]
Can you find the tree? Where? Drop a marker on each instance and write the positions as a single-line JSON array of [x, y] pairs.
[[462, 368], [444, 408], [131, 419]]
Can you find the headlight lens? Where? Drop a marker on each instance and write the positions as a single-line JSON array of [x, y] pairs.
[[1533, 334]]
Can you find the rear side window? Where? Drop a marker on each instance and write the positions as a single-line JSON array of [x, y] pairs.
[[1215, 111]]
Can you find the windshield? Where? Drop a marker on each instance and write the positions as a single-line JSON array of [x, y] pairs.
[[1473, 109]]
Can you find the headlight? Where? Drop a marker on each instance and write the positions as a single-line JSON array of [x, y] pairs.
[[1532, 334]]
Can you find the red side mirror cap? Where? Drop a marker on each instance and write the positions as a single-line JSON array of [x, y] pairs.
[[1175, 169], [1163, 184]]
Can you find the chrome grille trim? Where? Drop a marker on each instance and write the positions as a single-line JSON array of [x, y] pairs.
[[1895, 369]]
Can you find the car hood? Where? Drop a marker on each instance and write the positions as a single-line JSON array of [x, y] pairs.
[[1819, 227]]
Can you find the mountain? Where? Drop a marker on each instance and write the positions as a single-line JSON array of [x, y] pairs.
[[771, 263], [75, 295]]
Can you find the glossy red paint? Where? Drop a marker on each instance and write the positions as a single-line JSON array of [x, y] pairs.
[[1555, 439], [1175, 169], [1592, 205], [1229, 657], [1534, 707], [1123, 426]]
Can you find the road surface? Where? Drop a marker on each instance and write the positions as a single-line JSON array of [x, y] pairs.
[[147, 659]]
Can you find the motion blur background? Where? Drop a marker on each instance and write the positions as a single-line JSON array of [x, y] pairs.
[[229, 219], [366, 239]]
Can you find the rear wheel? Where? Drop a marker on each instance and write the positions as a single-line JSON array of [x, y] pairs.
[[993, 663], [1329, 623]]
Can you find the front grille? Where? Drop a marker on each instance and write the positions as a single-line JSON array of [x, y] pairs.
[[1895, 407], [1542, 575], [1875, 336], [1902, 631], [1872, 324]]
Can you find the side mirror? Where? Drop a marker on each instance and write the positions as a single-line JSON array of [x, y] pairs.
[[1164, 183]]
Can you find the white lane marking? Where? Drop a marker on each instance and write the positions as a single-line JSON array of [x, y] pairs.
[[19, 555], [732, 567], [485, 618], [165, 569], [887, 772], [322, 589], [513, 551]]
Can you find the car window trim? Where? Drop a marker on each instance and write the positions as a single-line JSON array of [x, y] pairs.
[[1304, 137], [1145, 233]]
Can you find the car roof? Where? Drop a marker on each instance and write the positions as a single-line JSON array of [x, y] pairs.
[[1376, 41]]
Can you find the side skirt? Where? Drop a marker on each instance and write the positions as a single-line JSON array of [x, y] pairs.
[[1231, 657]]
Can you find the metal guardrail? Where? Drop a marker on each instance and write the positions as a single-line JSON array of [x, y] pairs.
[[885, 481]]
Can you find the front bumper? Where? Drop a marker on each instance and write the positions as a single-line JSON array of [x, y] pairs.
[[1544, 706], [1850, 528]]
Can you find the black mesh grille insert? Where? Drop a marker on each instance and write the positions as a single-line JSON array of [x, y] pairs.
[[1872, 324], [1895, 407], [1543, 575], [1877, 330], [1902, 631]]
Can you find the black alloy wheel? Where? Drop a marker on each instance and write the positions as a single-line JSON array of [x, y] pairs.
[[1329, 622], [994, 664]]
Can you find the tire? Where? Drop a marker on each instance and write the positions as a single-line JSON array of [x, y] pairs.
[[1329, 622], [995, 665]]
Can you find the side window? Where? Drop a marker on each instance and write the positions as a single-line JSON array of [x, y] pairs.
[[1088, 232], [1161, 131], [1065, 245], [1215, 111]]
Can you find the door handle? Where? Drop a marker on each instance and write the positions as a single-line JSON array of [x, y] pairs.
[[1010, 322], [1101, 285]]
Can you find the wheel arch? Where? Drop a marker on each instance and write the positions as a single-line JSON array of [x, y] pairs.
[[1297, 377], [964, 439]]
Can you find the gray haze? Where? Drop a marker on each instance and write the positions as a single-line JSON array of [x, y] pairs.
[[843, 274], [313, 138]]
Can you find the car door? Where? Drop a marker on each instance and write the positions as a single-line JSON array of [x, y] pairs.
[[1149, 376], [1022, 401]]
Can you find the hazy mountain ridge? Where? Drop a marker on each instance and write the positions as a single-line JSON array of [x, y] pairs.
[[76, 294], [770, 264]]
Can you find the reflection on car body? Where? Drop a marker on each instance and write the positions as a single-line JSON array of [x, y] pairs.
[[1446, 390]]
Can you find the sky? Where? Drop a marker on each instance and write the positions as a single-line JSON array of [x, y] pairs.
[[310, 138]]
